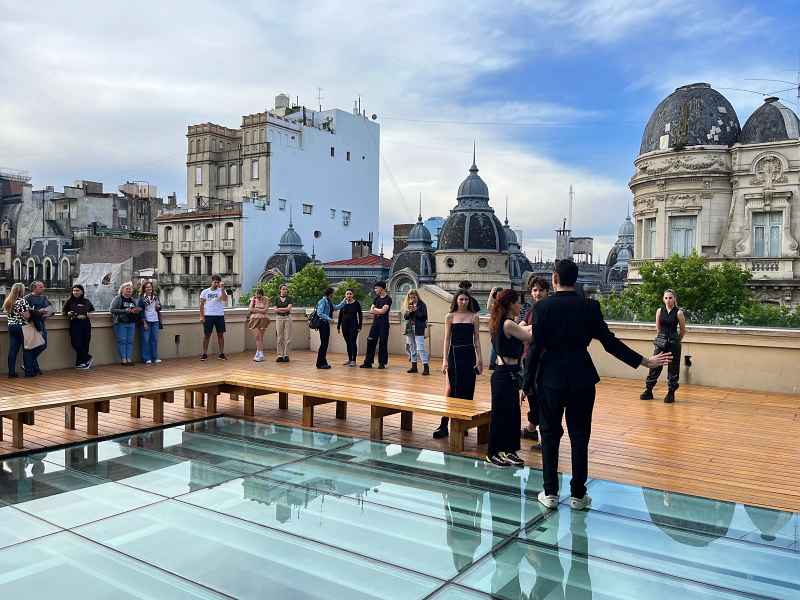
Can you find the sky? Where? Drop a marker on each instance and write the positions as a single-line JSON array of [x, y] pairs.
[[553, 92]]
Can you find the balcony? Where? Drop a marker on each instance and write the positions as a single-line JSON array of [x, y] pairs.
[[770, 268], [57, 284], [195, 280], [184, 246], [204, 245], [228, 245], [166, 246]]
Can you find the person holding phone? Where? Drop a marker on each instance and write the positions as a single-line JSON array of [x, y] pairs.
[[124, 316], [212, 315], [462, 352], [77, 310]]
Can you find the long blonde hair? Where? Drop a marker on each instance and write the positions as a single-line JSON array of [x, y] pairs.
[[411, 292], [17, 291]]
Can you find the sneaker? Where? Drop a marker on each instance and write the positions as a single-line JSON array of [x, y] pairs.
[[148, 362], [256, 357], [670, 397], [90, 364], [381, 366], [513, 458], [279, 359], [528, 434], [222, 357], [580, 503], [366, 366], [352, 364], [497, 461], [548, 501], [646, 395], [347, 364], [323, 366], [157, 361], [204, 357], [285, 359]]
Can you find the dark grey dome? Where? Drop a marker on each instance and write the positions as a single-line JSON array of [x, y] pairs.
[[771, 122], [419, 234], [291, 238], [472, 224], [290, 257], [417, 254], [626, 229], [511, 237], [693, 115]]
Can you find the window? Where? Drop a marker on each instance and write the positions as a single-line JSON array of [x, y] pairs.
[[681, 235], [198, 265], [187, 234], [168, 264], [228, 231], [281, 203], [228, 264], [649, 238], [333, 213], [210, 233], [345, 218], [168, 234], [333, 151], [198, 233], [348, 155], [254, 169], [255, 136], [186, 265], [191, 147], [308, 209], [234, 175], [198, 175], [221, 176], [767, 233], [209, 265], [246, 138]]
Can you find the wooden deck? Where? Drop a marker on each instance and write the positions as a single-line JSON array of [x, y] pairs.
[[719, 443]]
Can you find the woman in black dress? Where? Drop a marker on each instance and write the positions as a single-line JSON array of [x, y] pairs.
[[670, 329], [462, 352], [508, 339], [349, 325]]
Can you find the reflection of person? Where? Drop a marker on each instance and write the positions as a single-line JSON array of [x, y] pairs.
[[670, 329], [566, 377], [543, 556], [462, 352], [379, 331], [77, 310], [768, 521], [463, 513]]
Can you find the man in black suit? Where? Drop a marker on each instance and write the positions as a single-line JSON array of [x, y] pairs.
[[566, 323]]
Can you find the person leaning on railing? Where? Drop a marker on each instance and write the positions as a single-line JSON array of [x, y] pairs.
[[18, 312], [40, 310], [77, 310]]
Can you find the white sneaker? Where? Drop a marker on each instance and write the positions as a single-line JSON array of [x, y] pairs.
[[548, 501], [157, 361], [256, 357], [148, 362], [580, 503]]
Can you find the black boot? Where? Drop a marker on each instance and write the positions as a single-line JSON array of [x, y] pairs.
[[426, 370], [647, 394], [413, 368], [670, 397], [443, 430]]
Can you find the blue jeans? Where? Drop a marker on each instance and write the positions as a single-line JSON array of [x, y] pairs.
[[150, 341], [17, 343], [124, 333], [416, 347]]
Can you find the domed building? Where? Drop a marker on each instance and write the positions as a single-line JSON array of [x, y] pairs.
[[472, 242], [518, 263], [290, 257], [415, 264], [619, 256], [704, 185]]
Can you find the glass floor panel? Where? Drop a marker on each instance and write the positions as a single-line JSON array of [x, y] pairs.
[[236, 509]]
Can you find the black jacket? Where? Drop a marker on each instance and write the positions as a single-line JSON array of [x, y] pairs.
[[566, 324], [419, 316]]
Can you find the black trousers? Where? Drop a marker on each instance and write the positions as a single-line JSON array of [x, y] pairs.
[[533, 408], [578, 405], [673, 368], [378, 337], [324, 338], [80, 335], [351, 340], [504, 429]]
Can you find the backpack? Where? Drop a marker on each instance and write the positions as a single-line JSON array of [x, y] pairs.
[[314, 320]]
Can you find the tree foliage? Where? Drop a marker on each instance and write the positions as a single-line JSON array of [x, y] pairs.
[[349, 284], [307, 286], [707, 294]]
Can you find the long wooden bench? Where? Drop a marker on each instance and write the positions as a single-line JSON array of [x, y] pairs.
[[203, 391]]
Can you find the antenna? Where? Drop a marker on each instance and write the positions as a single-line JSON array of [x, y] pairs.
[[290, 215], [571, 201], [420, 206], [506, 209], [319, 98], [473, 153]]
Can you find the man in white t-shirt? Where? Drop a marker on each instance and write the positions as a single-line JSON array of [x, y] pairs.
[[212, 315]]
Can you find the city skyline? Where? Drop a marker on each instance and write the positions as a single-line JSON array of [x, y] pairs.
[[553, 96]]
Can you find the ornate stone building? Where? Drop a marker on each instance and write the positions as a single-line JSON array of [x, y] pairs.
[[414, 264], [619, 257], [289, 258], [704, 185]]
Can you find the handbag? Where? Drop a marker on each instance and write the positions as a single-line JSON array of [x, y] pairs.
[[33, 338], [314, 320], [518, 377]]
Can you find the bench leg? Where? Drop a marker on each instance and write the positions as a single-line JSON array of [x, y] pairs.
[[406, 420], [308, 413], [92, 411], [69, 417], [1, 429], [376, 423], [456, 436], [283, 400], [158, 409], [199, 398], [249, 403], [136, 407], [16, 431], [188, 399], [483, 433], [341, 409], [211, 401]]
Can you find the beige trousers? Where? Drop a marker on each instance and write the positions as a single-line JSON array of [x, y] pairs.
[[283, 326]]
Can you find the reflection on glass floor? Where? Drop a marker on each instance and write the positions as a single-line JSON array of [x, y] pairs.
[[228, 508]]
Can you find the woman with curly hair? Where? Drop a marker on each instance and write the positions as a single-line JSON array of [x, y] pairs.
[[508, 339]]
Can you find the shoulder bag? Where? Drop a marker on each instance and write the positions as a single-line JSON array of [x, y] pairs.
[[33, 338]]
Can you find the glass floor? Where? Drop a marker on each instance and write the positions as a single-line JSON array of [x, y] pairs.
[[234, 509]]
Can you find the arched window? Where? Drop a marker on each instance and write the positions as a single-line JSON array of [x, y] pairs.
[[64, 271], [210, 233], [233, 177], [168, 234], [221, 176], [48, 270], [17, 270], [187, 233], [5, 231], [228, 231], [31, 274]]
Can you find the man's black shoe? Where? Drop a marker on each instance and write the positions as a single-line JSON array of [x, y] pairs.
[[646, 395]]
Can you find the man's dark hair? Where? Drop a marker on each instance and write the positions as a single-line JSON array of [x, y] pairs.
[[380, 284], [567, 272], [216, 278], [349, 290], [329, 291], [541, 283]]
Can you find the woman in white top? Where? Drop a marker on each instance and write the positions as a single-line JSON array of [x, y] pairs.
[[151, 322]]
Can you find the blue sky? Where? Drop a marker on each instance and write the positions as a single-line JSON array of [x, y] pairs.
[[554, 92]]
